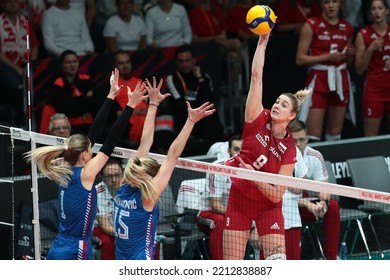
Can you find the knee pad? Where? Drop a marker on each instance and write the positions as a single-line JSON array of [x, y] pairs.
[[278, 256]]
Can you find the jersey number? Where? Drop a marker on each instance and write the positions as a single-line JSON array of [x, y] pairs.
[[121, 229], [260, 161]]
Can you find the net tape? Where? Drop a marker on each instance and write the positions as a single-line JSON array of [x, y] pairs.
[[337, 189]]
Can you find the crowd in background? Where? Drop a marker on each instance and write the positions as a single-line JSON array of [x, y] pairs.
[[84, 27], [67, 30]]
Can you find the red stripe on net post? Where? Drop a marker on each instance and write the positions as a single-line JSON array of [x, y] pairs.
[[29, 111]]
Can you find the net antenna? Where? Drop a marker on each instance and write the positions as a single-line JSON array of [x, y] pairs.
[[34, 173]]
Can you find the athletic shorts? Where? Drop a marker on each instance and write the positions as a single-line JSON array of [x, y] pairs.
[[241, 211], [321, 100], [70, 248], [375, 109]]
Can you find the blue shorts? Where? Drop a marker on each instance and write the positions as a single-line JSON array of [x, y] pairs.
[[70, 248]]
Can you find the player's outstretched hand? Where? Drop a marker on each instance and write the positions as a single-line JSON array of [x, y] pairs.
[[154, 91], [114, 87], [137, 96], [205, 110]]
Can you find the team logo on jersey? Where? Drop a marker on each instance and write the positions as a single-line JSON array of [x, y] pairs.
[[275, 226], [325, 36], [274, 151], [262, 140]]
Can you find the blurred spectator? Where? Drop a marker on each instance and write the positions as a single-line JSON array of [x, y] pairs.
[[86, 8], [104, 10], [318, 205], [34, 10], [164, 133], [63, 29], [59, 125], [72, 94], [13, 45], [237, 20], [189, 83], [122, 62], [167, 25], [209, 24], [106, 190], [125, 30], [292, 14]]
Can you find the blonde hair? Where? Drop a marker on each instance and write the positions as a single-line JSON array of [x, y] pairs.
[[47, 158], [139, 173], [297, 99]]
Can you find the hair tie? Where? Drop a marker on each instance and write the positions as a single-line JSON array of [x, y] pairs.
[[66, 147]]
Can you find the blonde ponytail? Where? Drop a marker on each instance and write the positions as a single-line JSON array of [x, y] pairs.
[[46, 159]]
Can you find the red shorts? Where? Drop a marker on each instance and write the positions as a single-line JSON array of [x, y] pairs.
[[293, 243], [241, 211], [375, 109], [321, 100]]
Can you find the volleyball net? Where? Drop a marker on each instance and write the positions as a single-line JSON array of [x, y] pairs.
[[184, 228]]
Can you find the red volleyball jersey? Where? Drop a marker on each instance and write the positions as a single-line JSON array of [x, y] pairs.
[[263, 151], [328, 38], [377, 85]]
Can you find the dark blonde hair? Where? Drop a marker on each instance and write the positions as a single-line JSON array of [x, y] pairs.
[[139, 173], [47, 157], [297, 99]]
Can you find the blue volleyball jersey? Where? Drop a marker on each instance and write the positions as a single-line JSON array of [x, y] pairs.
[[135, 228], [77, 211], [77, 207]]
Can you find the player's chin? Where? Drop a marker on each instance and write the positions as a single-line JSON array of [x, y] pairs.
[[276, 116]]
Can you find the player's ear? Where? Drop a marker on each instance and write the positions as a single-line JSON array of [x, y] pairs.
[[292, 116]]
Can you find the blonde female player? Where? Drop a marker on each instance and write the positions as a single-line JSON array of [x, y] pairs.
[[267, 146], [76, 174], [144, 179]]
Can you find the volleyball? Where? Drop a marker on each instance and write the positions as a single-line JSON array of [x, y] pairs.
[[260, 19]]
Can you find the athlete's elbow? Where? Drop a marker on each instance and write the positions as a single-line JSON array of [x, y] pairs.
[[299, 61]]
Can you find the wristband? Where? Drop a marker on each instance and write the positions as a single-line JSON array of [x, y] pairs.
[[153, 103]]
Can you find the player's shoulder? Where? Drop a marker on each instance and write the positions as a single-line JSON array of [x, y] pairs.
[[313, 153]]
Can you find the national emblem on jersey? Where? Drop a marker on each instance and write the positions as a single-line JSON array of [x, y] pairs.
[[282, 148]]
